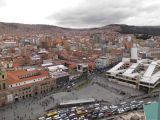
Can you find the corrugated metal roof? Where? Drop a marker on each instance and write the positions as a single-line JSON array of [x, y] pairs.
[[78, 101]]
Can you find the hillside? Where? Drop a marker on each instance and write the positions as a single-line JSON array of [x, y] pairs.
[[150, 30], [21, 29]]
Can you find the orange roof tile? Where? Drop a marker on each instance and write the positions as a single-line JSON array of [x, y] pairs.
[[15, 65], [13, 75]]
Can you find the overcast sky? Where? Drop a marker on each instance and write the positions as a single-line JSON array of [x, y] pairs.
[[81, 13]]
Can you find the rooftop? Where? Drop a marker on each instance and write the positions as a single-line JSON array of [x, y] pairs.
[[152, 111], [57, 68], [149, 72], [78, 101], [59, 74], [24, 75]]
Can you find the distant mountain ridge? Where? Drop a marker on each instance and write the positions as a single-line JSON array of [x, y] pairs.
[[150, 30], [17, 28]]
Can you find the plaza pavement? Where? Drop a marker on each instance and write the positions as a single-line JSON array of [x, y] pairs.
[[31, 108]]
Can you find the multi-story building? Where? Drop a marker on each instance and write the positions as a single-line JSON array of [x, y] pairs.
[[150, 52], [23, 84], [101, 62], [3, 87], [155, 52], [59, 74], [142, 74]]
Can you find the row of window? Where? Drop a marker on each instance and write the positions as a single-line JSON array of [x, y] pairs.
[[23, 92], [134, 83], [29, 75], [27, 82], [125, 77], [130, 82], [122, 80], [26, 93]]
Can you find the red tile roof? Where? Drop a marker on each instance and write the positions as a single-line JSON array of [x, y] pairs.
[[13, 75], [16, 65]]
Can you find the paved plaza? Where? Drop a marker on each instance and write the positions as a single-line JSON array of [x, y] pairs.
[[32, 108]]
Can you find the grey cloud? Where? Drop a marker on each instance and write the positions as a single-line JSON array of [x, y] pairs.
[[93, 13], [2, 3], [150, 8]]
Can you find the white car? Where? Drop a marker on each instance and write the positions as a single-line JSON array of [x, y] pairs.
[[57, 117], [97, 108], [141, 101], [133, 101], [72, 115], [100, 115], [41, 118], [120, 110], [104, 107], [113, 106], [50, 118], [96, 105], [123, 103]]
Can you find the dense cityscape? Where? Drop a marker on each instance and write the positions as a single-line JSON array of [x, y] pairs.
[[87, 75], [79, 60]]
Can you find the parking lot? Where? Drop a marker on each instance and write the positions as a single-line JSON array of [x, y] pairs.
[[93, 111]]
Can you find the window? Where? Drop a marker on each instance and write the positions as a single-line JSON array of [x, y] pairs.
[[2, 76], [4, 86]]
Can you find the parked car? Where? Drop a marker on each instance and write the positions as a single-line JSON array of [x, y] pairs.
[[42, 118], [100, 115], [113, 107], [120, 110], [133, 107], [96, 105], [126, 109], [104, 109], [49, 118]]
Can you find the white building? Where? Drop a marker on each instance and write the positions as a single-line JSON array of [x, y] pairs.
[[10, 44], [144, 74], [57, 68], [101, 62], [59, 74]]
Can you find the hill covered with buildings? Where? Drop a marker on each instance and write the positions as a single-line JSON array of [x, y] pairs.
[[33, 29]]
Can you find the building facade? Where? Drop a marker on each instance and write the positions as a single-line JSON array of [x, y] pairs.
[[3, 87], [23, 84], [143, 74]]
